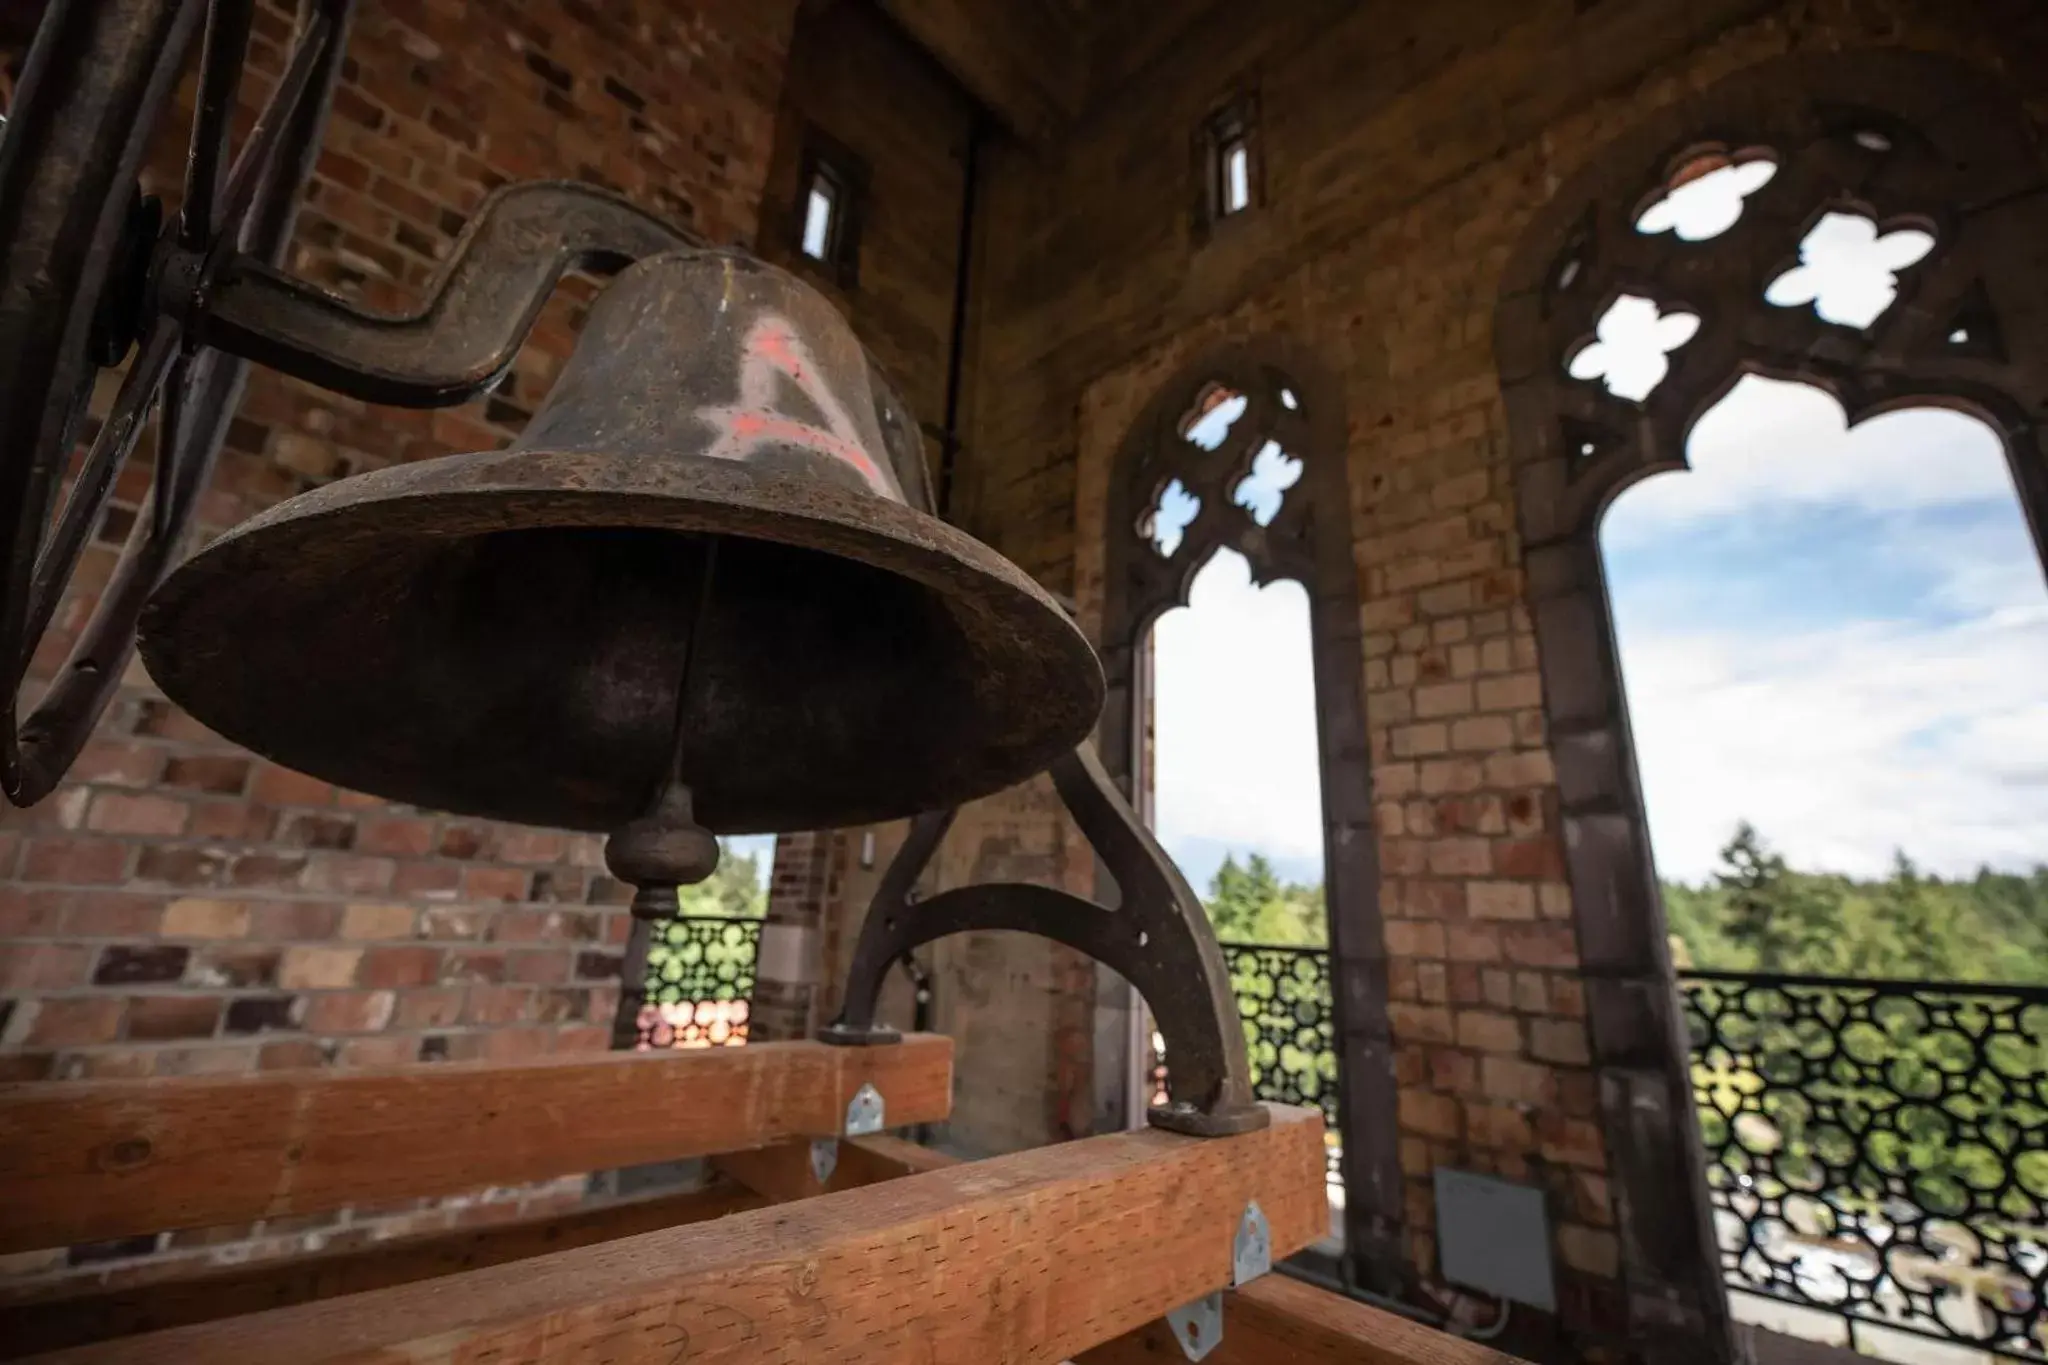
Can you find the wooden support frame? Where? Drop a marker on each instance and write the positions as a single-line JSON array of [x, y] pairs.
[[75, 1317], [84, 1161], [1280, 1321], [1033, 1256]]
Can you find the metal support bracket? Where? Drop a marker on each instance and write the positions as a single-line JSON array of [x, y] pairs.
[[865, 1113], [1159, 939], [1198, 1326], [824, 1159], [1251, 1251]]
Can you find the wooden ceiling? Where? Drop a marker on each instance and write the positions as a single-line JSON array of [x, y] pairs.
[[1039, 65]]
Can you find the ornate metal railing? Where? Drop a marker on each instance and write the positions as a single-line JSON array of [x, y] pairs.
[[1878, 1150], [700, 977], [1283, 997]]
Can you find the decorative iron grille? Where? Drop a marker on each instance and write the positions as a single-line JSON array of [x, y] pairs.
[[700, 977], [1290, 1034], [1879, 1150]]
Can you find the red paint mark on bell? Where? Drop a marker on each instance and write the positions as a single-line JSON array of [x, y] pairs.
[[772, 349]]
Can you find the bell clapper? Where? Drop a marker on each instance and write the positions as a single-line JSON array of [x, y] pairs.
[[666, 848]]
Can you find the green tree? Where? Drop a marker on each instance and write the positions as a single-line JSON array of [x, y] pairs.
[[733, 891], [1770, 912], [1250, 904]]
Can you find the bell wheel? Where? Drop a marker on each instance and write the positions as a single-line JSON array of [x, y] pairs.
[[94, 275]]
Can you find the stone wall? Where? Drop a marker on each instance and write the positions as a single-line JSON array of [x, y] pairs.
[[179, 906], [1405, 150]]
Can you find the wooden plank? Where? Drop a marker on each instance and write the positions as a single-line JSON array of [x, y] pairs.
[[85, 1161], [1028, 1257], [1277, 1319], [783, 1172], [30, 1323]]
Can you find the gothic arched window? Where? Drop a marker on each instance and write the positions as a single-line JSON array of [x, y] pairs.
[[1237, 467], [1867, 225]]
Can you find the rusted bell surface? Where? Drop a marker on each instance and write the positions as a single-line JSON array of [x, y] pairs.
[[502, 634]]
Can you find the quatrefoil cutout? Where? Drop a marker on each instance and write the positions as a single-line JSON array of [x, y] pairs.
[[1635, 338], [1705, 198], [1215, 411], [1166, 522], [1849, 271], [1261, 492]]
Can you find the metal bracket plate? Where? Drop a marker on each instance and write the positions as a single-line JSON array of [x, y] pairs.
[[824, 1159], [865, 1112], [1198, 1326], [1251, 1251]]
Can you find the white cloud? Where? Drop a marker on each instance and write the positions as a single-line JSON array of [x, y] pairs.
[[1775, 443], [1879, 730], [1845, 744], [1234, 711]]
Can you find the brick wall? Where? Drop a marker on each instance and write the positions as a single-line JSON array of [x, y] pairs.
[[179, 906], [1406, 149]]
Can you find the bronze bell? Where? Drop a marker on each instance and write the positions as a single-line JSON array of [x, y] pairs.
[[703, 579]]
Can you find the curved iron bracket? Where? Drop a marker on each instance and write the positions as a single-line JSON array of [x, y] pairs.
[[1158, 939], [508, 260]]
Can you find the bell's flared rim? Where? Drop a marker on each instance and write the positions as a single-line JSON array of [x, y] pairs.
[[470, 495]]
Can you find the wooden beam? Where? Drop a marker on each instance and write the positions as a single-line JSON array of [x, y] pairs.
[[85, 1161], [782, 1172], [1278, 1319], [45, 1322], [1028, 1257]]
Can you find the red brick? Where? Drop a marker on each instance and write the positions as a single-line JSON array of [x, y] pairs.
[[74, 1021], [31, 914], [1489, 1031], [43, 966], [195, 917], [408, 966], [290, 921], [1430, 1114], [426, 880], [460, 922], [1421, 1024], [318, 967], [283, 787], [583, 1038], [156, 1018], [1512, 1081], [1537, 859], [473, 965], [379, 922], [236, 821], [293, 1054], [116, 812], [111, 763], [1472, 943], [110, 914], [350, 1011], [532, 846], [497, 1004], [74, 861], [515, 1044], [403, 838], [348, 874], [495, 883], [219, 775], [436, 1007], [379, 1052]]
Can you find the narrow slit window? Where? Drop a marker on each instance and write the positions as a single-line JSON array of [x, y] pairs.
[[1237, 175], [819, 209]]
